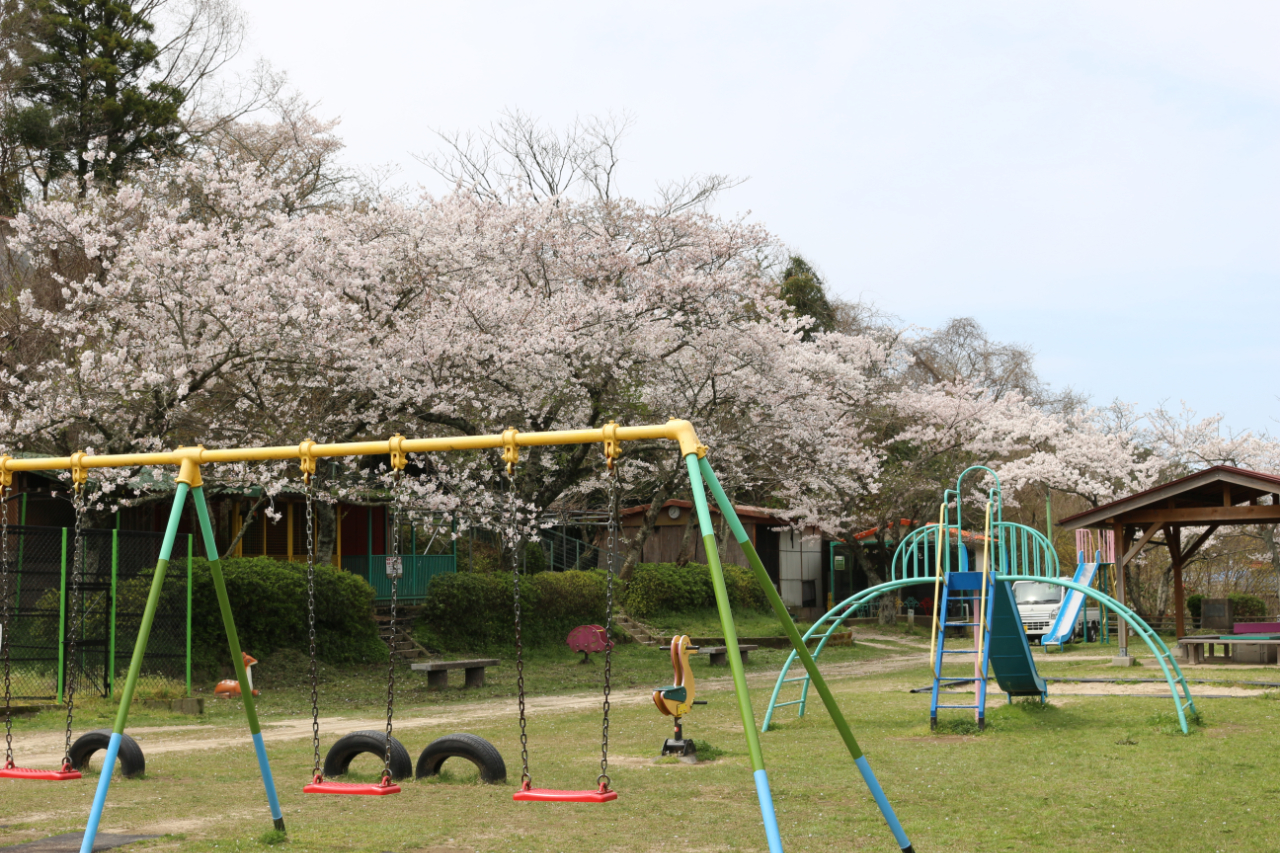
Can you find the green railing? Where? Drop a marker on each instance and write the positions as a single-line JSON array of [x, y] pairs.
[[419, 569]]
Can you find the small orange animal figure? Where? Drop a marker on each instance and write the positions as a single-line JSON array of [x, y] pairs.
[[229, 687]]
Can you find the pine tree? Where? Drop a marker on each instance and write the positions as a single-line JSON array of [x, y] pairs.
[[84, 86], [805, 291]]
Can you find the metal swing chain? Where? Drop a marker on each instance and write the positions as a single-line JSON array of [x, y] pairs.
[[526, 781], [77, 573], [311, 627], [603, 779], [394, 570], [4, 623]]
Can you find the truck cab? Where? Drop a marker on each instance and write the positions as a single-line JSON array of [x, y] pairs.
[[1038, 606]]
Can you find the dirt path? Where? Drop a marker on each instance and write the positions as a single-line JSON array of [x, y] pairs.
[[45, 749]]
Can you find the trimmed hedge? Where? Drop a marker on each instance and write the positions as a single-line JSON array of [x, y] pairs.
[[473, 611], [269, 601], [671, 588], [1245, 607]]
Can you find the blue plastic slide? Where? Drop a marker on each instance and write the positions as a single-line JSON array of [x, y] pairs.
[[1069, 614]]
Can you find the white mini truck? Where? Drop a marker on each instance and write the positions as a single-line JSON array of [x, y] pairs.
[[1053, 614]]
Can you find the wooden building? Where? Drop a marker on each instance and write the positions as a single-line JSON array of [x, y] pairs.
[[797, 562]]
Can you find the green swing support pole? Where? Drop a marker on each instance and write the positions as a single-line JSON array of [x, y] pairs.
[[797, 642], [767, 812], [237, 658]]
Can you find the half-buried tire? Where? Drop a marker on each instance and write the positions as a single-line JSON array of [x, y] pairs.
[[338, 760], [132, 762], [475, 749]]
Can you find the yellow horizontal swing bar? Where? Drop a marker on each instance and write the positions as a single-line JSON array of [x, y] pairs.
[[675, 430]]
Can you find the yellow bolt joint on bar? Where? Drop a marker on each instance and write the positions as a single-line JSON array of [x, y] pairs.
[[399, 455], [307, 459], [79, 474], [612, 446], [6, 476], [510, 450]]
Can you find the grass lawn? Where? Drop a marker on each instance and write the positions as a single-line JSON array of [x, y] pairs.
[[1077, 775], [705, 622], [283, 679]]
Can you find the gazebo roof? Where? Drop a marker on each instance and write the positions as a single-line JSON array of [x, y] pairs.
[[1215, 496]]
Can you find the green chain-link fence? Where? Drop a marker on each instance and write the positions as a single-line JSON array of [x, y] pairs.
[[119, 565]]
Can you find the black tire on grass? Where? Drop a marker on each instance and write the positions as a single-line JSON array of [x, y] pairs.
[[132, 761], [338, 759], [473, 748]]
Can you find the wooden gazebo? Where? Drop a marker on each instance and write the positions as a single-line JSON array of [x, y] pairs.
[[1211, 498]]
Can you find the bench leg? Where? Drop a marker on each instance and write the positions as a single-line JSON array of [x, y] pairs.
[[438, 679], [475, 676], [719, 658], [744, 657]]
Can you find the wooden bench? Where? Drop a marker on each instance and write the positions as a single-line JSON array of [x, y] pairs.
[[438, 671], [719, 655]]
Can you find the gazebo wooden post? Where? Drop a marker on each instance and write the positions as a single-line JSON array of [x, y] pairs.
[[1122, 550], [1173, 537]]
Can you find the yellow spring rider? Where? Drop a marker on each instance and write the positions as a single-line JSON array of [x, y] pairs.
[[676, 700]]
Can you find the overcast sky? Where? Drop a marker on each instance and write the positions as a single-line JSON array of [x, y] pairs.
[[1097, 180]]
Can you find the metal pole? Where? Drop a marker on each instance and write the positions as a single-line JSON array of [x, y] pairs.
[[111, 641], [735, 656], [831, 574], [190, 549], [237, 657], [1048, 515], [135, 667], [22, 544], [62, 621], [797, 642], [1122, 547]]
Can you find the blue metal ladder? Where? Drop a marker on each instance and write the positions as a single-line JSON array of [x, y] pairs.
[[963, 587]]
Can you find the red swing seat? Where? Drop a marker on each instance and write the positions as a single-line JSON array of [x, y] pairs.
[[529, 794], [9, 771], [368, 789]]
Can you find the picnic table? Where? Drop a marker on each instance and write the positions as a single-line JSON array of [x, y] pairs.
[[1238, 648]]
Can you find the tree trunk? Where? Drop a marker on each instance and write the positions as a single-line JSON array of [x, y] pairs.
[[1273, 548], [889, 601], [248, 520], [326, 531], [689, 541], [721, 528]]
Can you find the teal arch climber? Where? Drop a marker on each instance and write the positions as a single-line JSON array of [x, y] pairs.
[[938, 553]]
